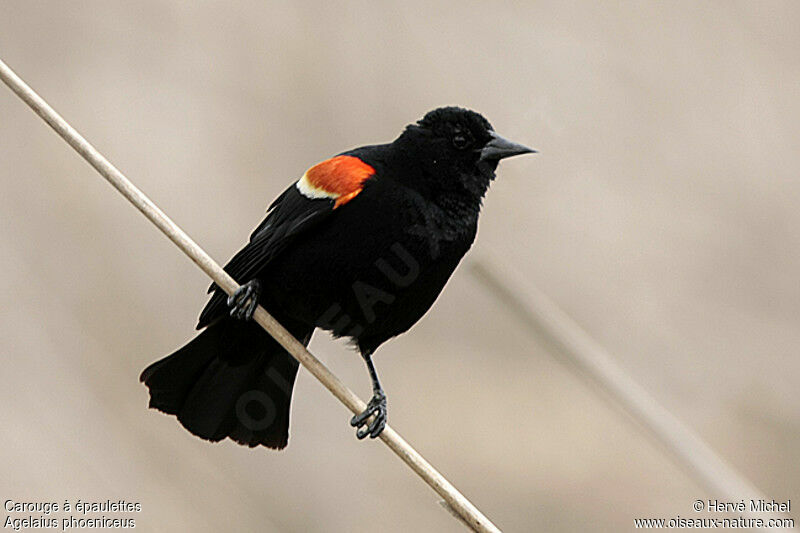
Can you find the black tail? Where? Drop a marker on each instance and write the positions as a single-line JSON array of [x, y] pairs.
[[232, 380]]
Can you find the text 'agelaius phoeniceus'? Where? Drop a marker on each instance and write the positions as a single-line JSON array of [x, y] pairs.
[[360, 246]]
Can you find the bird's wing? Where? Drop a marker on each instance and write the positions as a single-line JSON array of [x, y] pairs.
[[324, 188]]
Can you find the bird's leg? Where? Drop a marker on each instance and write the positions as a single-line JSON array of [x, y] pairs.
[[244, 300], [376, 406]]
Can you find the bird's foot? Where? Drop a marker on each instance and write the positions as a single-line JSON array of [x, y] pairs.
[[377, 407], [244, 300]]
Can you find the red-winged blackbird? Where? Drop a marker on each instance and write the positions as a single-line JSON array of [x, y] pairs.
[[360, 246]]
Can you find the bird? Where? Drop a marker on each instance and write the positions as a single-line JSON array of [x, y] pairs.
[[360, 246]]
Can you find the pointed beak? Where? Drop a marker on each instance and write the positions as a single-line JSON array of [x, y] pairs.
[[500, 147]]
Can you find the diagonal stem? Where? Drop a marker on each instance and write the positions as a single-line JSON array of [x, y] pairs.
[[455, 500]]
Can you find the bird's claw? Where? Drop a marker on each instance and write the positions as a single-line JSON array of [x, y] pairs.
[[244, 300], [377, 407]]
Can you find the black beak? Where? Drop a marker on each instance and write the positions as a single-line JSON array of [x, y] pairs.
[[500, 147]]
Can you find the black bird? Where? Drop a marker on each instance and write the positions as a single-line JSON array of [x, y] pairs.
[[360, 246]]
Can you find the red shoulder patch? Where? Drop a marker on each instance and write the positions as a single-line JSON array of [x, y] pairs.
[[340, 178]]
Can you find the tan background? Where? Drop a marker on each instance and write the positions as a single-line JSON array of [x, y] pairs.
[[663, 214]]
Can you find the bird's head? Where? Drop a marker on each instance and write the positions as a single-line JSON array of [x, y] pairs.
[[457, 149]]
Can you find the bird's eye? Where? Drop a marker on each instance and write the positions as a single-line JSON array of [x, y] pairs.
[[460, 141]]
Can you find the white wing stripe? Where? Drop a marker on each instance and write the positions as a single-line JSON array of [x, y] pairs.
[[309, 191]]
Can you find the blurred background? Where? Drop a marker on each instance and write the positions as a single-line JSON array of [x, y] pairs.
[[662, 214]]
